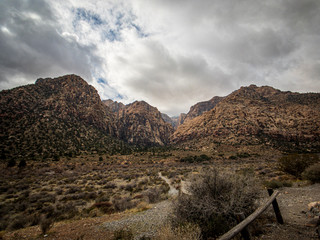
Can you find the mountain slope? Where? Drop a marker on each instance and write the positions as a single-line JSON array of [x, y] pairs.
[[258, 115], [56, 116], [139, 123], [199, 108]]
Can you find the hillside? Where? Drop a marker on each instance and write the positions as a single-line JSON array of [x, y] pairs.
[[199, 108], [55, 117], [258, 115], [141, 124]]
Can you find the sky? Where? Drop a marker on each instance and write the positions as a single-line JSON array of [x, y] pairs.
[[169, 53]]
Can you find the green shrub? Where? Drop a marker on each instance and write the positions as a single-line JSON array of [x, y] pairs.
[[215, 200], [312, 173], [295, 164]]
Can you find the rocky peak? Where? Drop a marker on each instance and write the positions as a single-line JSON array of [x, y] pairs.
[[142, 124], [53, 116], [113, 105], [201, 107]]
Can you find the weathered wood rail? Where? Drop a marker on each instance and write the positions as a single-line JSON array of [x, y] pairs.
[[241, 227]]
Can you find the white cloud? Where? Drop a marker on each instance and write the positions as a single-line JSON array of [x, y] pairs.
[[169, 53]]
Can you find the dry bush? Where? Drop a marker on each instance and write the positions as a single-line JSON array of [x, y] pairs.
[[187, 231], [123, 204], [215, 200], [45, 224], [123, 234], [295, 164], [312, 173]]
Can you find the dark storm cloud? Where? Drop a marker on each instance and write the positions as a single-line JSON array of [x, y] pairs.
[[31, 45]]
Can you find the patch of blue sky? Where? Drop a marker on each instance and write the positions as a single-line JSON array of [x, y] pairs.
[[111, 35], [88, 16], [119, 97], [138, 29], [102, 81]]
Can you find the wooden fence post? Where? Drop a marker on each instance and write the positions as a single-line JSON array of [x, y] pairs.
[[276, 207], [244, 232]]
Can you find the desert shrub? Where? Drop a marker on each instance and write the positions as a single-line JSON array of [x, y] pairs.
[[11, 163], [312, 173], [17, 222], [153, 194], [22, 163], [195, 158], [123, 204], [295, 164], [215, 200], [45, 224], [123, 234], [187, 231], [277, 184], [105, 207]]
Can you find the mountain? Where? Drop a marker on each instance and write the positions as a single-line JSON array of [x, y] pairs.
[[55, 116], [114, 106], [171, 120], [258, 115], [198, 109], [201, 107], [141, 124]]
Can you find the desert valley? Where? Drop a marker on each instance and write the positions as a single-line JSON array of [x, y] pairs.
[[76, 167]]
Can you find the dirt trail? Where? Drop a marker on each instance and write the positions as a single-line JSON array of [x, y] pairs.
[[293, 203]]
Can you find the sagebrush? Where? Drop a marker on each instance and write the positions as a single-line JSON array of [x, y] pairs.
[[214, 201]]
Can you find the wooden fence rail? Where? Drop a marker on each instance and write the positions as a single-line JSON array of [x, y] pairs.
[[242, 225]]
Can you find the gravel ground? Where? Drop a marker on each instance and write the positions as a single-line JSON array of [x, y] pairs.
[[293, 203], [144, 223]]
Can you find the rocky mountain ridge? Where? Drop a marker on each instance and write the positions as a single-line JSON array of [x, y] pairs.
[[53, 117], [258, 115], [65, 116], [198, 109]]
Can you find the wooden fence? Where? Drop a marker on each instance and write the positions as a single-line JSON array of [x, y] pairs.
[[241, 227]]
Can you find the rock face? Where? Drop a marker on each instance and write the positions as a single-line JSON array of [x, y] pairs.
[[199, 108], [56, 116], [113, 105], [141, 124], [258, 115], [171, 120]]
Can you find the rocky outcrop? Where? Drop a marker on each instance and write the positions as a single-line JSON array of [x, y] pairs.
[[171, 120], [259, 115], [139, 123], [201, 107], [114, 106], [181, 118], [198, 109], [54, 116]]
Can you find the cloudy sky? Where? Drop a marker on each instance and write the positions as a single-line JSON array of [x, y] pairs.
[[170, 53]]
